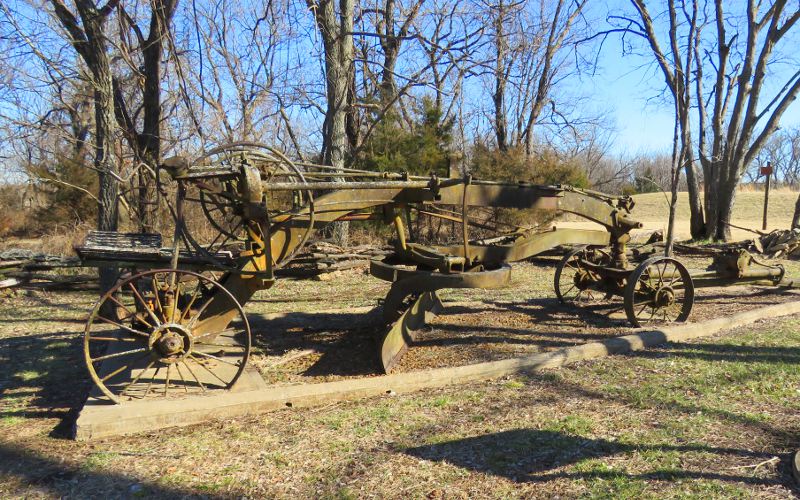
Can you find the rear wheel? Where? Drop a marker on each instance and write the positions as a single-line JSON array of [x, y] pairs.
[[577, 283], [160, 341]]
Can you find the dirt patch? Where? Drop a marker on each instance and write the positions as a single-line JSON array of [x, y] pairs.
[[341, 344]]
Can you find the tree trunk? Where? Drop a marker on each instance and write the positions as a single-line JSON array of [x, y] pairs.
[[796, 216], [724, 209], [697, 220], [149, 141], [104, 161], [91, 44], [338, 45], [499, 96]]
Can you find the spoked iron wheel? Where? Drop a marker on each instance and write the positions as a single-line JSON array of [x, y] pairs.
[[222, 230], [574, 282], [150, 336], [660, 290]]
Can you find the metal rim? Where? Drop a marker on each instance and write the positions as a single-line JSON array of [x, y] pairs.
[[659, 290], [573, 283], [152, 345]]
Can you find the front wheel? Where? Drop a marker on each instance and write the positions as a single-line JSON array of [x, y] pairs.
[[659, 290]]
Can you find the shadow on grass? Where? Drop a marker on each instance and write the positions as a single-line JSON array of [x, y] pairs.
[[528, 455], [347, 340], [43, 376], [726, 352], [40, 475]]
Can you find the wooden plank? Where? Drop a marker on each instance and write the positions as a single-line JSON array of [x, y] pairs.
[[114, 420]]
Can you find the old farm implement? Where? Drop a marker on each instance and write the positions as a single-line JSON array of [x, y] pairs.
[[175, 323]]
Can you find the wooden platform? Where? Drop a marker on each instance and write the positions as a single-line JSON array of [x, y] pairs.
[[103, 421]]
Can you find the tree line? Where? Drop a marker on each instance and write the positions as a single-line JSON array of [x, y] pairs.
[[94, 95]]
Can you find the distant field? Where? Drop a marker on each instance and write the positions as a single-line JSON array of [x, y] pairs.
[[652, 210]]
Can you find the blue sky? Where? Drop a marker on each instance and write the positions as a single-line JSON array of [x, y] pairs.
[[629, 86]]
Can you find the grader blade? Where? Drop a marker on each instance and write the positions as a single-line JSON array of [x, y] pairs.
[[395, 340]]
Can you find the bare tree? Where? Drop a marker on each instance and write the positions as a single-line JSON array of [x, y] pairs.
[[144, 60], [90, 41], [677, 63], [336, 30], [531, 41], [739, 125], [733, 55]]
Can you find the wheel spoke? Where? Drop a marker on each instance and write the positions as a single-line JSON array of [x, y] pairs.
[[123, 368], [166, 381], [118, 354], [180, 374], [188, 307], [120, 325], [156, 289], [120, 304], [209, 370], [201, 353], [145, 306], [112, 339], [224, 346], [136, 379], [150, 384], [175, 299], [193, 375], [196, 317], [226, 331]]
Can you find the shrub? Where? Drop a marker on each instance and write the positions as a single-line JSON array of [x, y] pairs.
[[66, 205], [422, 150], [490, 163]]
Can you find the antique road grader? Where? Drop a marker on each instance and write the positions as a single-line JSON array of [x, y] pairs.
[[176, 323]]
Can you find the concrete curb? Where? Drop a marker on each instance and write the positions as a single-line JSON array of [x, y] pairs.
[[98, 421]]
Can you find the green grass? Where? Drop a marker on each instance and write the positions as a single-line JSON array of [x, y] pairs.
[[686, 420]]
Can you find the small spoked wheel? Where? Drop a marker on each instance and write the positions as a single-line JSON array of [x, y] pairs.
[[575, 282], [165, 332], [660, 290]]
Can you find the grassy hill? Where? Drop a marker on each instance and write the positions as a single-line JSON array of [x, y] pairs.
[[652, 210]]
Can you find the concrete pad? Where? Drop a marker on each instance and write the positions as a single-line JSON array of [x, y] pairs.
[[103, 421]]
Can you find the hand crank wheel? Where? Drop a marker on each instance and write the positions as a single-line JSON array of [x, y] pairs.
[[161, 342], [223, 228], [659, 290]]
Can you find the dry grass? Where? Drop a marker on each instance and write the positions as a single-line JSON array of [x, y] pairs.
[[652, 208], [686, 420]]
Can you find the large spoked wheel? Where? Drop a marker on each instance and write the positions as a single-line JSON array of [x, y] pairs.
[[575, 283], [660, 290], [165, 332], [219, 235]]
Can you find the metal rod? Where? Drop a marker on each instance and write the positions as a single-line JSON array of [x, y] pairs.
[[292, 186]]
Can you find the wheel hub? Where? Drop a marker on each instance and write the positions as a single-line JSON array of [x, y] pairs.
[[171, 342], [665, 296], [583, 279]]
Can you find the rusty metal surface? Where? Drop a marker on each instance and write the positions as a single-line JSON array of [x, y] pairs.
[[263, 208]]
